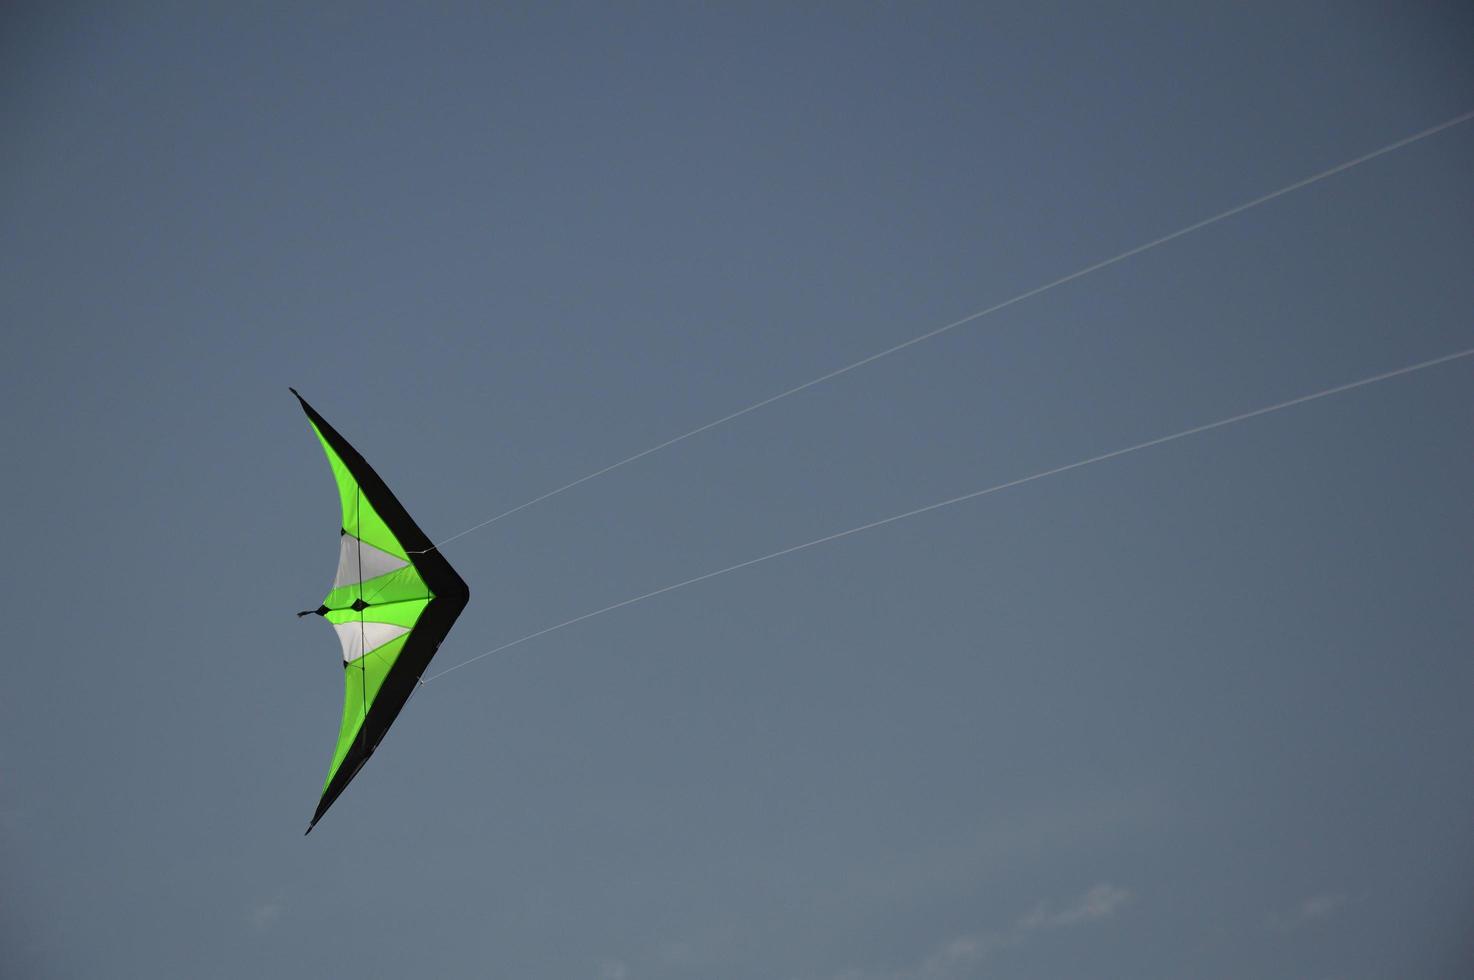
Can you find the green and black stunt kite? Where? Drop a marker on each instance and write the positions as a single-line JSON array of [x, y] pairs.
[[394, 599]]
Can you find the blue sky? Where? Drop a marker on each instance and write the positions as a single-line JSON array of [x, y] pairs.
[[1198, 711]]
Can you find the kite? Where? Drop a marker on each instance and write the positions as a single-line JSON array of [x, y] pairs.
[[394, 599]]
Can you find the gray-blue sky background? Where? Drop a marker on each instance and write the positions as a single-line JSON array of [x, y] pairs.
[[1202, 711]]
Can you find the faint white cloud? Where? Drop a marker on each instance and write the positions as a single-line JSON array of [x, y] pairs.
[[1323, 906], [699, 951], [613, 970], [1316, 908], [1099, 902], [960, 956], [264, 915], [955, 958], [1005, 838]]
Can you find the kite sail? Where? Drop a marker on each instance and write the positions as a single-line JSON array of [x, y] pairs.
[[394, 599]]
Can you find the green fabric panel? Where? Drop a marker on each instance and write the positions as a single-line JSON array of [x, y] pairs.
[[361, 682], [399, 613], [359, 516], [404, 613], [397, 586]]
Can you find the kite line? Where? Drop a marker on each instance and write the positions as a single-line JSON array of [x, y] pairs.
[[1078, 464], [971, 317]]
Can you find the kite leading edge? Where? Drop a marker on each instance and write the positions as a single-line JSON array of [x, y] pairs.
[[394, 599]]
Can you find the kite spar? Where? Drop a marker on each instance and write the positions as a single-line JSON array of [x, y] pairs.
[[394, 599]]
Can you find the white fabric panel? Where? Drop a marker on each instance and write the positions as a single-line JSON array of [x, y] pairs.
[[376, 561], [360, 638]]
